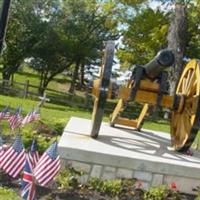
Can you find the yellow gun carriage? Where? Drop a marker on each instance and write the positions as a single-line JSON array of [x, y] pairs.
[[147, 86]]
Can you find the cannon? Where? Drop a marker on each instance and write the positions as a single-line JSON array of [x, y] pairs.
[[148, 86]]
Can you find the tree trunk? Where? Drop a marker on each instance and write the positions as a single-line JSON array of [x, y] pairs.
[[177, 36], [5, 73], [8, 71], [82, 76], [5, 76], [41, 89], [75, 75]]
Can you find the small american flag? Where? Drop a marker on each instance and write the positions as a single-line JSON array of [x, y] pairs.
[[5, 114], [36, 114], [48, 165], [33, 154], [28, 185], [28, 118], [1, 149], [13, 159], [16, 119]]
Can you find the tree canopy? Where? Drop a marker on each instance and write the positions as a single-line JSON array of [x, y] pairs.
[[53, 35]]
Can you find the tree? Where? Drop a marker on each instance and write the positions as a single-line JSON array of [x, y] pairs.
[[87, 24], [70, 36], [49, 57], [193, 44], [50, 53], [16, 41], [177, 41], [144, 37]]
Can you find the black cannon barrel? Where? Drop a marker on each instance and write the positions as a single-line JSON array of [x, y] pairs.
[[164, 59]]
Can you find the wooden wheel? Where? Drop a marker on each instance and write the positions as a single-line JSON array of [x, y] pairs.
[[185, 120], [102, 93]]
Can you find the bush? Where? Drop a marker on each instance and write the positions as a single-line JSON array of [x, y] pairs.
[[67, 178], [8, 194], [110, 187], [43, 140], [161, 193]]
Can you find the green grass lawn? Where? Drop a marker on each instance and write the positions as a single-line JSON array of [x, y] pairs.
[[56, 116], [157, 126], [60, 82], [53, 114]]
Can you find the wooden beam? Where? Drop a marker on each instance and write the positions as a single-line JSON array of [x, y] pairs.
[[126, 122], [148, 85], [148, 97]]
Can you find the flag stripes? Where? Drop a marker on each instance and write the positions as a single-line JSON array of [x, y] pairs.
[[48, 165], [46, 178], [28, 118], [33, 154], [13, 159], [36, 114], [16, 119], [3, 147], [43, 170], [5, 114]]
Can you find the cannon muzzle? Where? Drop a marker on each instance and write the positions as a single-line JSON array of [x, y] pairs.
[[164, 59]]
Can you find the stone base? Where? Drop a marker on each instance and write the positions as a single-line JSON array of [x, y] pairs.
[[125, 153]]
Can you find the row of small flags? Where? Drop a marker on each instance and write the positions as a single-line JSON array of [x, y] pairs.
[[16, 120], [36, 169]]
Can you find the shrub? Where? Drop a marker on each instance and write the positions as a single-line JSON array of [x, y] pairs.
[[8, 194], [43, 140], [67, 178], [161, 193], [110, 187]]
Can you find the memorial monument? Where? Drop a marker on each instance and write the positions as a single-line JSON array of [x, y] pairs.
[[120, 148]]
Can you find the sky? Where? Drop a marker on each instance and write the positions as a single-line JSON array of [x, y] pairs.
[[155, 4]]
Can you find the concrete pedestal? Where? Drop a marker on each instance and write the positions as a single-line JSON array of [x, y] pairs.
[[125, 153]]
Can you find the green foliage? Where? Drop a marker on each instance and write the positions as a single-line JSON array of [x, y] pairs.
[[193, 14], [43, 140], [161, 193], [68, 178], [197, 190], [53, 35], [133, 3], [17, 40], [116, 187], [111, 187], [8, 194], [145, 36], [80, 30], [157, 125]]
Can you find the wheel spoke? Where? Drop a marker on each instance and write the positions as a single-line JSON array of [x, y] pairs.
[[186, 77], [191, 99], [183, 85], [188, 111], [189, 86], [193, 90], [175, 119]]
